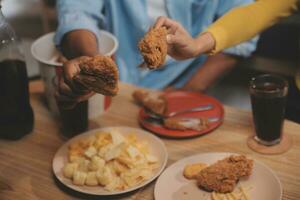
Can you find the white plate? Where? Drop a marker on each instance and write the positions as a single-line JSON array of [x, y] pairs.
[[157, 148], [172, 185]]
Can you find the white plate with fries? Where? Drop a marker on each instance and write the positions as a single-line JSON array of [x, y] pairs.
[[262, 184], [110, 161]]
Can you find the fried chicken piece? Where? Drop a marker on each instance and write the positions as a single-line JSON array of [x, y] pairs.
[[223, 175], [99, 74], [153, 101], [186, 123], [153, 47]]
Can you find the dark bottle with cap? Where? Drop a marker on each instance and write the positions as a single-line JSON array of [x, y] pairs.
[[16, 116]]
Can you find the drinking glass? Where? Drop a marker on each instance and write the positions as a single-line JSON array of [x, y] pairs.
[[268, 98]]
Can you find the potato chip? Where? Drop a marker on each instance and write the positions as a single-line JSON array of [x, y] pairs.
[[119, 167], [90, 151], [79, 177], [96, 163], [114, 152], [91, 179], [83, 165], [117, 138], [69, 169], [104, 176], [133, 152], [151, 159], [102, 139], [103, 150]]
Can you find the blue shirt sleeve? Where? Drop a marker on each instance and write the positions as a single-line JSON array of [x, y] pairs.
[[78, 14], [244, 49]]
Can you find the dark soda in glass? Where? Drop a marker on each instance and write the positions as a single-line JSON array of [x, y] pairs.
[[16, 116], [268, 99], [74, 120]]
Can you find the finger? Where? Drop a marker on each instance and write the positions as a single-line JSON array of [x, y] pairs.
[[85, 97], [60, 97], [174, 39], [69, 95], [159, 22], [64, 102], [64, 89], [170, 24], [78, 88], [72, 69], [62, 59]]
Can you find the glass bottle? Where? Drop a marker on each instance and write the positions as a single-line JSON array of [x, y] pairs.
[[16, 116]]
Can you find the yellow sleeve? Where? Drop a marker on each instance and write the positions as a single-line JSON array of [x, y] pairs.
[[243, 23]]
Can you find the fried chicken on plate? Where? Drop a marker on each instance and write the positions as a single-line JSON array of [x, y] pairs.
[[186, 123], [153, 101], [223, 175]]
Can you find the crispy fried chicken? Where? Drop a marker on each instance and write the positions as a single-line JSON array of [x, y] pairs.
[[99, 74], [153, 101], [223, 175], [186, 123], [153, 47]]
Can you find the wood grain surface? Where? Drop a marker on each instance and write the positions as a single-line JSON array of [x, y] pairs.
[[25, 165]]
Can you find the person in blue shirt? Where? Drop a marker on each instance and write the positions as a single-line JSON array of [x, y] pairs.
[[81, 20]]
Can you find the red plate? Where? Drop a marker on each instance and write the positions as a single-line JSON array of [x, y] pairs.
[[184, 100]]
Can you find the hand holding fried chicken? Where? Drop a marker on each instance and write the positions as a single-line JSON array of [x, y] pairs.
[[86, 72], [181, 45]]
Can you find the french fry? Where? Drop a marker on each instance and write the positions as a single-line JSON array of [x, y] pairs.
[[239, 194], [245, 195]]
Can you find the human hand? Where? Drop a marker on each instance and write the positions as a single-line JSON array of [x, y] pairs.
[[68, 93], [181, 45]]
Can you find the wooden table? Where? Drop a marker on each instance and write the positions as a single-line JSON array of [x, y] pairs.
[[25, 165]]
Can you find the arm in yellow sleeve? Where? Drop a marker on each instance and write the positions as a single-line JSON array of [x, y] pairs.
[[243, 23]]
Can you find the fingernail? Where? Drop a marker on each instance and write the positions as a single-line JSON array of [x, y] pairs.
[[168, 38]]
